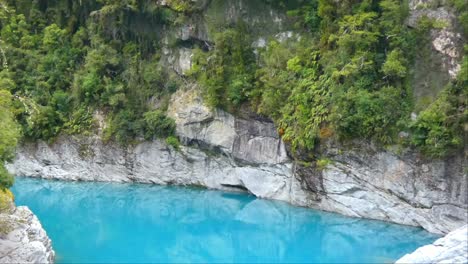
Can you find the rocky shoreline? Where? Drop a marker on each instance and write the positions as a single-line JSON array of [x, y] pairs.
[[453, 248], [224, 152], [22, 238]]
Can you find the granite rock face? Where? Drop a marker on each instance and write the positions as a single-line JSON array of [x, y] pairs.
[[23, 240], [453, 248]]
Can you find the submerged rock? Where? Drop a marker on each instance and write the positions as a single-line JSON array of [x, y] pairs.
[[22, 238], [453, 248]]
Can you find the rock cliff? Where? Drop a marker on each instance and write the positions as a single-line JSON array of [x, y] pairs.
[[225, 152], [22, 238]]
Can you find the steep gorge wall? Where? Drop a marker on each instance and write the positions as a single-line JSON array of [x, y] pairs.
[[231, 153]]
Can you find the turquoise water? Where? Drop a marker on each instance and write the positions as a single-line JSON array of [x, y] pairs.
[[103, 222]]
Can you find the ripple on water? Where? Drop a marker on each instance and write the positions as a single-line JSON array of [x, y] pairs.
[[108, 222]]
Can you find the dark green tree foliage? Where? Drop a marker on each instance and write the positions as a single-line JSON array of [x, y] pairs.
[[71, 58], [441, 128], [345, 72], [346, 77], [9, 134], [158, 125], [227, 72]]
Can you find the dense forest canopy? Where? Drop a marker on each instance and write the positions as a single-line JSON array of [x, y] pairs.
[[345, 73]]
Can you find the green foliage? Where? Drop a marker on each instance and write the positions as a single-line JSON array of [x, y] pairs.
[[123, 127], [322, 163], [347, 75], [9, 134], [461, 6], [274, 80], [173, 141], [81, 122], [66, 60], [440, 129], [6, 204], [180, 5], [227, 72], [372, 115], [6, 180], [158, 125], [394, 65]]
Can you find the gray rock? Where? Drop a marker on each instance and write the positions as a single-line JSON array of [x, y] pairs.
[[25, 240], [89, 159], [453, 248], [371, 183], [251, 141]]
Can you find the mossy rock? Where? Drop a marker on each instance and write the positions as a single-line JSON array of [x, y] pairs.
[[6, 200], [5, 227]]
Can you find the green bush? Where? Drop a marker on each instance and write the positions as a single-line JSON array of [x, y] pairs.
[[439, 130], [227, 72], [6, 179], [157, 124], [124, 127], [372, 115], [173, 141], [9, 134]]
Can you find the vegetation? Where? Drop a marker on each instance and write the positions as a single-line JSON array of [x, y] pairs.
[[6, 201], [344, 73], [347, 76], [69, 59], [440, 129], [9, 134]]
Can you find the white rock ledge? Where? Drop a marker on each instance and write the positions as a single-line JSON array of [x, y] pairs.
[[24, 240], [453, 248]]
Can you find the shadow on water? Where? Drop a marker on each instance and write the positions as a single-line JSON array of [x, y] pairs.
[[106, 222]]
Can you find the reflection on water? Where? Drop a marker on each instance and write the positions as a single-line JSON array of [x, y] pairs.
[[103, 222]]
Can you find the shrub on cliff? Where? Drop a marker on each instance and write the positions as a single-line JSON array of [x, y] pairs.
[[157, 124], [9, 134]]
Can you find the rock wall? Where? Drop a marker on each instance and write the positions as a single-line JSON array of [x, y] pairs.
[[90, 159], [22, 238], [224, 152], [365, 181], [452, 248]]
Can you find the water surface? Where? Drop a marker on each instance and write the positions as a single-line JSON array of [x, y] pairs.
[[108, 222]]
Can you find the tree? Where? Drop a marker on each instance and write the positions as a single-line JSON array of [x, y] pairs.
[[9, 134]]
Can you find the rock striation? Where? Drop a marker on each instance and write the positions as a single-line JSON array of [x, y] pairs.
[[22, 238], [364, 181], [453, 248]]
